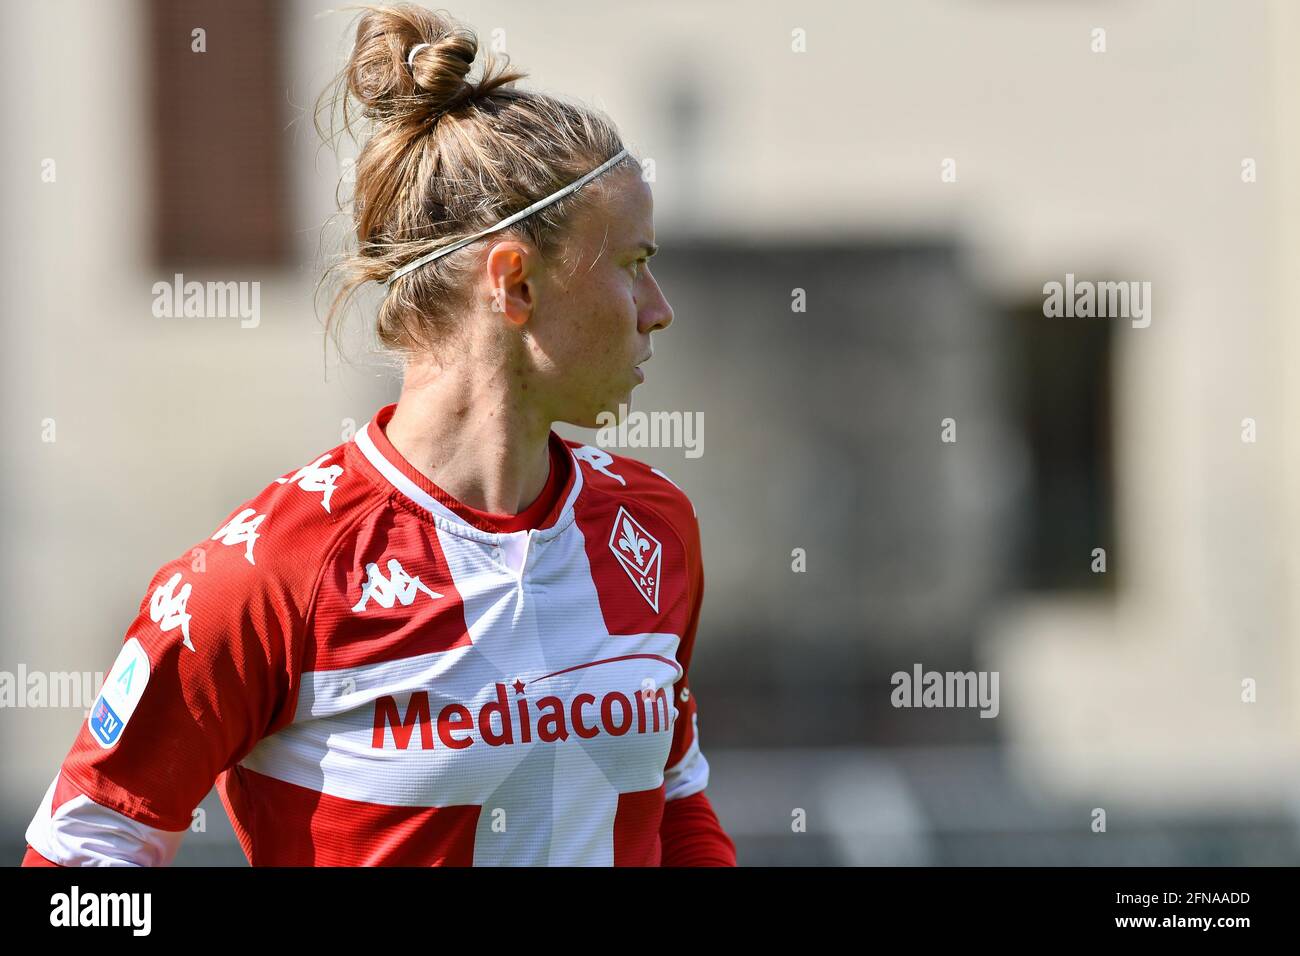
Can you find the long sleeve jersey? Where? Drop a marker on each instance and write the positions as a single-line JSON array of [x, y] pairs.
[[374, 674]]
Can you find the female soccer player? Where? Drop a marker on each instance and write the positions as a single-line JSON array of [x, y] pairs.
[[454, 639]]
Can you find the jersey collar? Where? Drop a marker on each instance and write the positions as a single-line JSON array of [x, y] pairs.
[[448, 513]]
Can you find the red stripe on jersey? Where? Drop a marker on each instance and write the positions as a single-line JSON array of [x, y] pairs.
[[282, 824], [636, 828], [624, 606], [32, 858], [362, 568], [692, 835]]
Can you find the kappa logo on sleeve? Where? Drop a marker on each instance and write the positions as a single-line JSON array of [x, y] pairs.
[[316, 478], [167, 608], [121, 692], [241, 530], [599, 460]]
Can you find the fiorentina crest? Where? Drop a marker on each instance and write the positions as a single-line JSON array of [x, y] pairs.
[[639, 553]]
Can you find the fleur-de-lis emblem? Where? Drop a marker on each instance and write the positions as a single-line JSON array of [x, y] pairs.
[[639, 554], [632, 542]]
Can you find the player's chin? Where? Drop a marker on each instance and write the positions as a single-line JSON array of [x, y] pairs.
[[605, 413]]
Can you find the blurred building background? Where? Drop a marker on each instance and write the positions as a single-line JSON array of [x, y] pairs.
[[820, 161]]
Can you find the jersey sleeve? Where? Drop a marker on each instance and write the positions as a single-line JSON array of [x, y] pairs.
[[206, 669], [686, 771], [690, 833]]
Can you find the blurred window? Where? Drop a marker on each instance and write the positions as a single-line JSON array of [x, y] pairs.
[[218, 120], [1060, 395]]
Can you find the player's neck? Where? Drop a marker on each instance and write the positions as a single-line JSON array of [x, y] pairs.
[[472, 435]]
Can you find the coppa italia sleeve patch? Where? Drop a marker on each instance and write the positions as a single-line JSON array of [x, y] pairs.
[[122, 691]]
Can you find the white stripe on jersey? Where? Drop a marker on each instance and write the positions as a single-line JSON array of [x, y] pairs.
[[83, 833], [689, 775]]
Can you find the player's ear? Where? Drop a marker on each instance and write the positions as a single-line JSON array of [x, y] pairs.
[[511, 277]]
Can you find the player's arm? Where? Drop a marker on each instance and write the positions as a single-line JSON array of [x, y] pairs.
[[690, 833], [205, 671]]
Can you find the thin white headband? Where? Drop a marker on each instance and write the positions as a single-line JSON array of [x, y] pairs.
[[410, 57], [509, 220]]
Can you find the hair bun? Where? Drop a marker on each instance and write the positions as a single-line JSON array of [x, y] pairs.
[[410, 62]]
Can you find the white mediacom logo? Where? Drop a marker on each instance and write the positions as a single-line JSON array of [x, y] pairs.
[[240, 530], [640, 554], [316, 477], [167, 607], [387, 591]]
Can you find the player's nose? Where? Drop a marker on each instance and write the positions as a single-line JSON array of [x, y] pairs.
[[655, 312]]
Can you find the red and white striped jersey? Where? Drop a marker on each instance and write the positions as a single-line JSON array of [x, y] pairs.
[[373, 674]]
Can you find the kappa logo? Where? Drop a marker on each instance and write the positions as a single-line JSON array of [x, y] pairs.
[[387, 591], [168, 608], [599, 460], [640, 554], [314, 478], [239, 530]]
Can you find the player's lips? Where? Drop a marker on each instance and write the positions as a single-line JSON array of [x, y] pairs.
[[640, 372]]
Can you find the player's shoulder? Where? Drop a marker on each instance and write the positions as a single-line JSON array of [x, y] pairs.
[[274, 542], [294, 519], [252, 576], [632, 480]]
